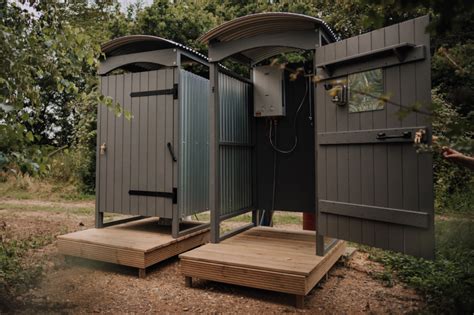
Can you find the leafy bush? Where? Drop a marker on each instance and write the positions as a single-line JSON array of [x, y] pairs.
[[454, 185], [448, 281]]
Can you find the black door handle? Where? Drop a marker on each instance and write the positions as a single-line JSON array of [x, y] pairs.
[[404, 135], [170, 148]]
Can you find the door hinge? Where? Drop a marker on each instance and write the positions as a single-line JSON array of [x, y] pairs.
[[147, 193], [173, 91]]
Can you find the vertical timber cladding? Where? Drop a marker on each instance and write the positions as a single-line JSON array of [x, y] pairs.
[[136, 155], [236, 147], [379, 194]]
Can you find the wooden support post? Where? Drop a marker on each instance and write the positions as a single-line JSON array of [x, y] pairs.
[[299, 301], [188, 282], [141, 273]]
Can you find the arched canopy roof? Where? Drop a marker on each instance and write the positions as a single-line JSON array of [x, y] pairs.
[[258, 36], [144, 52], [140, 43]]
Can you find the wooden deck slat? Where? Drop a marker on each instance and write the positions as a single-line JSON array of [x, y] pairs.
[[264, 258], [143, 235], [137, 244]]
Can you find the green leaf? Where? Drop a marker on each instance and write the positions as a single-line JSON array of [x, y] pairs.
[[30, 137]]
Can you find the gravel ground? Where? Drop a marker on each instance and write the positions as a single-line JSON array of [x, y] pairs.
[[78, 286]]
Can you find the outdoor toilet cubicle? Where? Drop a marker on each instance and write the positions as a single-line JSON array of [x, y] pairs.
[[325, 138], [152, 169]]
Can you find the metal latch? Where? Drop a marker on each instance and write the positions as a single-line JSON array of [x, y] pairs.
[[419, 136], [103, 148]]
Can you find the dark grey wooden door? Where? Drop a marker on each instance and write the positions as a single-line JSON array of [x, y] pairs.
[[373, 187], [137, 158]]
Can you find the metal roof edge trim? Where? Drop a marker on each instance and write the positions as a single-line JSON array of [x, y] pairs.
[[205, 38], [125, 40]]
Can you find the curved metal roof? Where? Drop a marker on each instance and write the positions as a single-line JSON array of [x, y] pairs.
[[262, 23], [139, 43]]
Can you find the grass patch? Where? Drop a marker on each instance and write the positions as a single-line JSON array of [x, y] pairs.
[[447, 282], [279, 218], [23, 187], [22, 207]]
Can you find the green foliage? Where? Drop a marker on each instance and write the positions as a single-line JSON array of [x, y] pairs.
[[15, 276], [448, 281], [454, 185], [49, 62]]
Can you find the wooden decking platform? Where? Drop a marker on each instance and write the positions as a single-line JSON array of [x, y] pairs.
[[264, 258], [137, 244]]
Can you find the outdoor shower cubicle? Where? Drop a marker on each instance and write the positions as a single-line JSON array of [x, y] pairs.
[[153, 168], [321, 137]]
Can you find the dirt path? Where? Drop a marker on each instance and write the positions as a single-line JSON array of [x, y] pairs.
[[81, 286]]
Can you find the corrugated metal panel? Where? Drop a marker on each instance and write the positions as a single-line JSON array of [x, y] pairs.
[[193, 188], [262, 23], [235, 148]]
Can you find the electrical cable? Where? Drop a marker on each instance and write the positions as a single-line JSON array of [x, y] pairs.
[[294, 126], [276, 150]]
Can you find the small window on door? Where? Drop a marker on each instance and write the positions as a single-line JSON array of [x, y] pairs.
[[366, 91]]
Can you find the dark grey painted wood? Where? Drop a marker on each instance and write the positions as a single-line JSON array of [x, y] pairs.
[[389, 58], [388, 180], [118, 163], [355, 172], [151, 143], [320, 110], [165, 57], [342, 155], [135, 145], [143, 144], [126, 144], [295, 187], [137, 157], [367, 158], [331, 152], [110, 152], [160, 143], [380, 158], [214, 202], [376, 213], [295, 39], [394, 151]]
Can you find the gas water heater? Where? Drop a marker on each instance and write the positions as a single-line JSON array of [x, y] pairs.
[[269, 91]]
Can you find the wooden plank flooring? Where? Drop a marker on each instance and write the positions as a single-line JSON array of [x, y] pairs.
[[137, 244], [265, 258]]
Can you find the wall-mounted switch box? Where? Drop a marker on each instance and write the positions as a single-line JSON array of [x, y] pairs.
[[268, 91]]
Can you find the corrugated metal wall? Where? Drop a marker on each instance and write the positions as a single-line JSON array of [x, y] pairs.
[[235, 145], [193, 190]]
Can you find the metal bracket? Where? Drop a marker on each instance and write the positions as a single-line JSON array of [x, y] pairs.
[[172, 195]]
